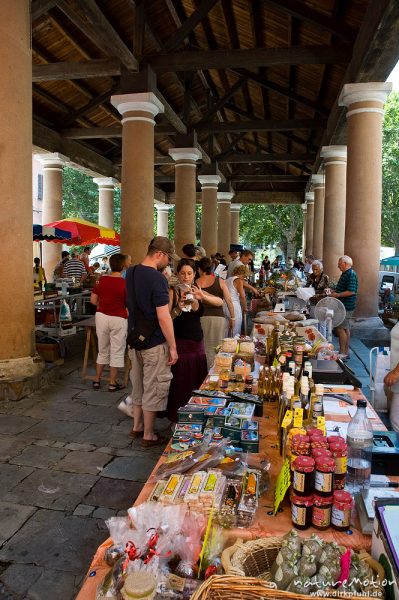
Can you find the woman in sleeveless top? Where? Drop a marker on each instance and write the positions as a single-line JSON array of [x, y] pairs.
[[235, 285], [213, 320], [191, 369]]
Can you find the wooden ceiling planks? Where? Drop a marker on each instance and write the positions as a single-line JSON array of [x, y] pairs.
[[79, 30]]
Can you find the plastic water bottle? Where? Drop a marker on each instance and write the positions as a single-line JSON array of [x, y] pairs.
[[360, 445]]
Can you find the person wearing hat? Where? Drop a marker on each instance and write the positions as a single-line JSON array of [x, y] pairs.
[[148, 296]]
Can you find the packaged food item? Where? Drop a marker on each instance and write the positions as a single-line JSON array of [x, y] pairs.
[[324, 475], [247, 347], [339, 452], [303, 475], [203, 401], [157, 491], [341, 510], [227, 514], [321, 513], [229, 345], [249, 498], [171, 490], [242, 409], [191, 414], [301, 511], [223, 360], [140, 584], [249, 440]]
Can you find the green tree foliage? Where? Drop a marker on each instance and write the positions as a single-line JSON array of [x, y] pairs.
[[171, 223], [264, 224], [390, 174], [80, 197]]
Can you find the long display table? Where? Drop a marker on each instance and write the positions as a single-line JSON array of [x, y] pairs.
[[265, 524]]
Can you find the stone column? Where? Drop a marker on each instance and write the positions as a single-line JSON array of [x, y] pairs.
[[18, 358], [334, 207], [185, 194], [365, 103], [309, 197], [235, 223], [106, 187], [318, 222], [224, 222], [137, 210], [162, 218], [209, 219], [304, 207], [53, 165]]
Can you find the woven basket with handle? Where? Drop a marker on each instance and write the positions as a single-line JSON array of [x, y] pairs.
[[247, 566]]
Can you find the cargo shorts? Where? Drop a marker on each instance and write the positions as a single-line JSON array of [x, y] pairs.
[[150, 376]]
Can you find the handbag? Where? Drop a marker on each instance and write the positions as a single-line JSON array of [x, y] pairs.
[[140, 335]]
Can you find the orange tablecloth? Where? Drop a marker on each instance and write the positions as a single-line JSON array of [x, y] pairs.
[[264, 525]]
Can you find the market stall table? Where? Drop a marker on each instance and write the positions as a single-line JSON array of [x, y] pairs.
[[265, 524]]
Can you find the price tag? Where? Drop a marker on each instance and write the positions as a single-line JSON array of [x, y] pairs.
[[283, 482], [321, 424], [287, 419], [298, 417]]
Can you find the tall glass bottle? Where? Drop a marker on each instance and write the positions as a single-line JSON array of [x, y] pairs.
[[360, 445]]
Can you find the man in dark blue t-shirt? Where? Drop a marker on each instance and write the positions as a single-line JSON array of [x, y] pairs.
[[150, 374]]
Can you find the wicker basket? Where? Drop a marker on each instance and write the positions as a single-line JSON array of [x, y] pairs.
[[247, 566]]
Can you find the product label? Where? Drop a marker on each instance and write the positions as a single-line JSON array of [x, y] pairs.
[[298, 514], [340, 518], [298, 417], [299, 481], [323, 482], [287, 419], [321, 517], [341, 463], [321, 424]]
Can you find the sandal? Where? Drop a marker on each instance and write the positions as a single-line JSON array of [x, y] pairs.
[[161, 441], [136, 434], [96, 385], [114, 387]]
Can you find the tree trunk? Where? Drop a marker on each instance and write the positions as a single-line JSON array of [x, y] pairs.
[[291, 248]]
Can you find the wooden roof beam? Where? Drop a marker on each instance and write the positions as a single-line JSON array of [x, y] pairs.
[[189, 25], [268, 197], [260, 157], [302, 12], [86, 133], [263, 125], [57, 71], [269, 178], [256, 57], [88, 17], [41, 7]]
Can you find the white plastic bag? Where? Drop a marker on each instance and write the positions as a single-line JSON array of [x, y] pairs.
[[305, 293]]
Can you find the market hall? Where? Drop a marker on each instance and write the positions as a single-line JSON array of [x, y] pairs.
[[310, 105]]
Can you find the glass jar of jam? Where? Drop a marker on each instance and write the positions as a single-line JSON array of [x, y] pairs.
[[317, 452], [336, 439], [302, 476], [321, 512], [341, 510], [339, 453], [324, 475], [319, 441], [314, 432], [301, 511]]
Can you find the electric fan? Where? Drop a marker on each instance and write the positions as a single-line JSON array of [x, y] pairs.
[[330, 311]]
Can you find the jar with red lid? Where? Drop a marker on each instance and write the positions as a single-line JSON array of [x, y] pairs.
[[319, 441], [314, 431], [302, 476], [301, 511], [339, 453], [321, 512], [341, 510], [300, 444], [336, 439], [324, 475], [317, 452]]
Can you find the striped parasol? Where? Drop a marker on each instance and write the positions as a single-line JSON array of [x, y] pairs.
[[84, 232]]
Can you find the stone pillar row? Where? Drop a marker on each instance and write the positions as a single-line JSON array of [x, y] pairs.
[[318, 219], [209, 221], [224, 221], [235, 223], [162, 218]]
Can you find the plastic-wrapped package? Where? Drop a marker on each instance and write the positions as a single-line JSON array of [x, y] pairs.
[[188, 545], [211, 562]]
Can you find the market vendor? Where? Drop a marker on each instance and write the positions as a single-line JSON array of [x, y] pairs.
[[391, 380], [346, 291]]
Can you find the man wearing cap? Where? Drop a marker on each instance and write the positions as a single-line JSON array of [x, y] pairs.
[[147, 292]]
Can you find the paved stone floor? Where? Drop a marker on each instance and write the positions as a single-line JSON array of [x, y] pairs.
[[66, 464]]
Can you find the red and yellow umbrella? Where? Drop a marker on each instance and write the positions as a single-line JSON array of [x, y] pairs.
[[84, 232]]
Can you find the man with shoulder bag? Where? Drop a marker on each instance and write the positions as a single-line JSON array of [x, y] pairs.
[[151, 340]]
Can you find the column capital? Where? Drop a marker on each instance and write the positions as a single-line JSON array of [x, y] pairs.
[[337, 154], [146, 102], [364, 92], [304, 207], [164, 207], [235, 207], [309, 197], [317, 181], [52, 160], [225, 196], [181, 155], [209, 181], [105, 182]]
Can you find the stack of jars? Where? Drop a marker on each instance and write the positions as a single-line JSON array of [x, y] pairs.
[[318, 468]]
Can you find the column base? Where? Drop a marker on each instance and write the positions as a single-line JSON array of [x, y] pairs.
[[20, 377], [370, 328]]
